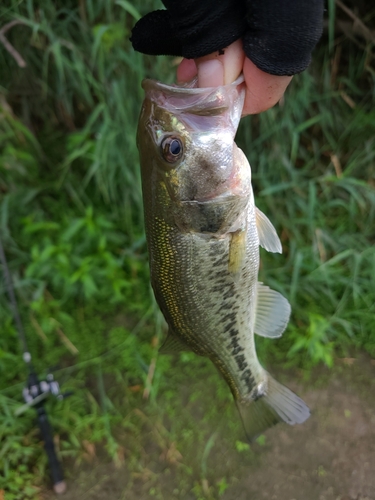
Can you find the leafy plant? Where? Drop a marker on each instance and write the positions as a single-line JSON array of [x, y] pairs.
[[71, 220], [75, 256], [314, 343]]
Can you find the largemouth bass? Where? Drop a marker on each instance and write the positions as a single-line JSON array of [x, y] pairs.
[[203, 233]]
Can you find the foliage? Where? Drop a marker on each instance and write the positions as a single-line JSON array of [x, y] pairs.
[[316, 182], [71, 221], [76, 258]]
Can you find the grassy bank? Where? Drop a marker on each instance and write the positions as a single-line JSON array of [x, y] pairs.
[[71, 223]]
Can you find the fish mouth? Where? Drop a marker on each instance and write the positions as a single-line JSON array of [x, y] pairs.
[[214, 200], [186, 88], [189, 98], [218, 199]]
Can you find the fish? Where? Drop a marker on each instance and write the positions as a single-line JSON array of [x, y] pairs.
[[203, 234]]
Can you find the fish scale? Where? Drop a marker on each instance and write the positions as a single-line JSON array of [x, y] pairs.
[[203, 234]]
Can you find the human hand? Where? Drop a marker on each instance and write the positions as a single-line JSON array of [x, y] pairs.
[[262, 89], [266, 40]]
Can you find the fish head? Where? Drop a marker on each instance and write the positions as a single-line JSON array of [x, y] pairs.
[[187, 149]]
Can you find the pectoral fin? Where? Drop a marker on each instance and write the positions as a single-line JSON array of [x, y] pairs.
[[173, 344], [237, 251], [272, 313], [268, 238]]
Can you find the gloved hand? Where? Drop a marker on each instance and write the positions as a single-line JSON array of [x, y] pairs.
[[277, 36]]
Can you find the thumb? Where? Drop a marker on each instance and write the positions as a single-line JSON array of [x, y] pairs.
[[221, 68]]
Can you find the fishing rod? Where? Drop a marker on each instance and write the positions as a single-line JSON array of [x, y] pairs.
[[36, 391]]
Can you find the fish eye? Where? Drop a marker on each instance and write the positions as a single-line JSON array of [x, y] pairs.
[[171, 148]]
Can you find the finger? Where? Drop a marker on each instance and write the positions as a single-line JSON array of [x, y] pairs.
[[186, 71], [220, 68], [262, 89], [233, 60], [210, 71]]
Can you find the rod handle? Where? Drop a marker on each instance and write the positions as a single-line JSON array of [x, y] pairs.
[[57, 475]]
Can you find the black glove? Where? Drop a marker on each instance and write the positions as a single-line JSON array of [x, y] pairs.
[[278, 35]]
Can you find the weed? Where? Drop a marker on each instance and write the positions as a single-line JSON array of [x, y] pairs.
[[72, 222]]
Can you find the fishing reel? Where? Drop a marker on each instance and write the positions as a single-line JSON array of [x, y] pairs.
[[34, 394], [36, 391]]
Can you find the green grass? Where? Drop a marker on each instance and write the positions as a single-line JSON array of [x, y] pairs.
[[324, 213], [71, 220]]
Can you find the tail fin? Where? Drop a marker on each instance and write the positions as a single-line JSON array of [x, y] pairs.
[[277, 404]]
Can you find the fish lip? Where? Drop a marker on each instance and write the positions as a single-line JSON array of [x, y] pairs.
[[187, 88], [191, 99]]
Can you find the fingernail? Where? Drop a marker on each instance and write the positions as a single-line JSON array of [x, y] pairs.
[[210, 73]]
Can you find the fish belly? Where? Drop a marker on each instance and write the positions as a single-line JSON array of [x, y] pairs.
[[210, 308]]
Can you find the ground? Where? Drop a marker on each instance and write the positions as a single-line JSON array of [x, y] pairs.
[[330, 457]]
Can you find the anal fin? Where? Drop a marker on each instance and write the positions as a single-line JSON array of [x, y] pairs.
[[272, 313], [268, 238]]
